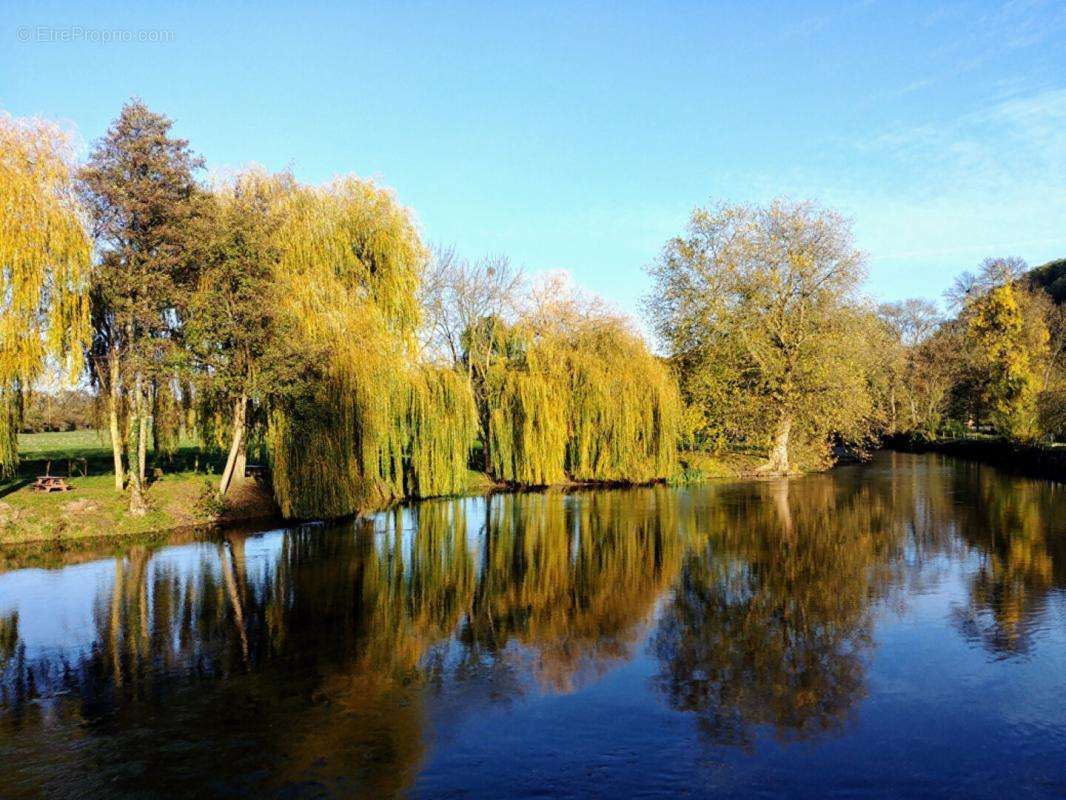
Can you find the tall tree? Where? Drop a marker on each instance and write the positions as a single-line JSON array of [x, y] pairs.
[[44, 267], [465, 304], [348, 277], [571, 391], [233, 323], [140, 188], [1011, 346], [920, 361], [759, 307]]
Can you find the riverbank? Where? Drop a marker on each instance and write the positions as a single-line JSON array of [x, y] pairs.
[[182, 497], [181, 493], [92, 508], [1037, 461]]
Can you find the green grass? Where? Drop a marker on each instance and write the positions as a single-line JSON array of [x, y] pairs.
[[68, 444], [93, 507], [696, 466]]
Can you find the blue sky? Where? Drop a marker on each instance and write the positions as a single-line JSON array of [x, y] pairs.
[[578, 136]]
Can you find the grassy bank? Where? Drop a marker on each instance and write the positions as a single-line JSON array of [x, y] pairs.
[[182, 490], [180, 494], [698, 466]]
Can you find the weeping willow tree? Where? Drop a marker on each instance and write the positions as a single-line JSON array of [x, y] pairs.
[[624, 405], [348, 275], [370, 426], [440, 428], [573, 396], [44, 268], [527, 421]]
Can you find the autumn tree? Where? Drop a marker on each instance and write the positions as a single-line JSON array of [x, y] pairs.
[[139, 186], [569, 390], [348, 275], [1010, 346], [759, 308], [44, 268]]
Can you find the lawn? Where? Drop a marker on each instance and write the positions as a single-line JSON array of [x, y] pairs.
[[177, 495], [68, 444]]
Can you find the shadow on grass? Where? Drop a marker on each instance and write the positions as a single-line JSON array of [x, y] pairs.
[[79, 462], [13, 485]]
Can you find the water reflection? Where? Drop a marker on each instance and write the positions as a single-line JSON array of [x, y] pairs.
[[312, 660], [1007, 523], [770, 622]]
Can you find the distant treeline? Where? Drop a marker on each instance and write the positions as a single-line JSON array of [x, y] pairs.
[[313, 328], [1051, 278], [63, 410]]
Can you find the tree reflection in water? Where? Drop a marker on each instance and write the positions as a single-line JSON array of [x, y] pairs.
[[770, 621], [1008, 523], [307, 661]]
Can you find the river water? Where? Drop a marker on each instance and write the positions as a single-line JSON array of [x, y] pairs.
[[896, 629]]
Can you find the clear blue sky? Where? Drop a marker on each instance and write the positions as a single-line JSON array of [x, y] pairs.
[[578, 136]]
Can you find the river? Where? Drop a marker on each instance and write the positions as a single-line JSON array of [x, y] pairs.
[[890, 629]]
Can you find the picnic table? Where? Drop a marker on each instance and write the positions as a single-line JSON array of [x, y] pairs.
[[50, 483], [257, 471]]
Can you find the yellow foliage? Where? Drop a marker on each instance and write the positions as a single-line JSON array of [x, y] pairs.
[[45, 260], [376, 426], [585, 401], [1011, 349]]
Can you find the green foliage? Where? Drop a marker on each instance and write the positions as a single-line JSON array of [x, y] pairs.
[[440, 427], [140, 189], [233, 325], [527, 430], [62, 410], [1051, 277], [1051, 408], [623, 405], [10, 415], [208, 502], [373, 426]]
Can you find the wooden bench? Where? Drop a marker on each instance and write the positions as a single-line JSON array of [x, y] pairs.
[[50, 483]]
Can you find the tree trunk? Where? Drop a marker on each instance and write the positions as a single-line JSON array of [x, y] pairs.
[[142, 443], [778, 462], [138, 506], [145, 426], [113, 400], [486, 447], [155, 413], [236, 451]]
